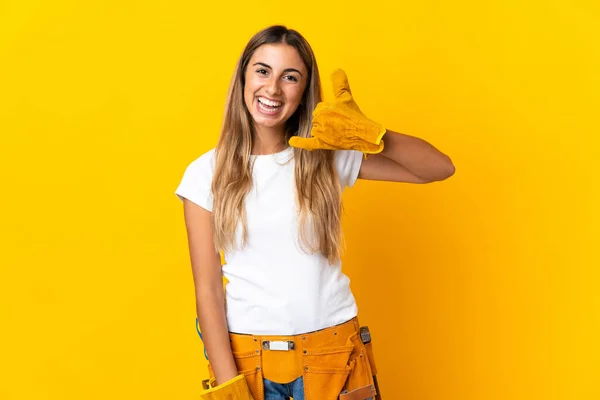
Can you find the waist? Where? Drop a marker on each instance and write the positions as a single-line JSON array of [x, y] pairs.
[[289, 319], [283, 358], [246, 341]]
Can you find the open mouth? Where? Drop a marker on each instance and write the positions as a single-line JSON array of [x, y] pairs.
[[268, 107]]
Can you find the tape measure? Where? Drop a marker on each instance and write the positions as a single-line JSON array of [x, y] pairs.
[[200, 334]]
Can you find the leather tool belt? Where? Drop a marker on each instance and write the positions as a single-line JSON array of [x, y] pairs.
[[336, 363]]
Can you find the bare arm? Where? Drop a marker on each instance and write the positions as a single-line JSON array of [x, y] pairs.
[[407, 158], [210, 298]]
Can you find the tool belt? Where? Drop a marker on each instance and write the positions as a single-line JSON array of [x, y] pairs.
[[335, 362]]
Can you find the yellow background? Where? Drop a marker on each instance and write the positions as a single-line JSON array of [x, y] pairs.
[[484, 286]]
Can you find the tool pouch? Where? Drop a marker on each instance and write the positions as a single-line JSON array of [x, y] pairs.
[[361, 382], [249, 364]]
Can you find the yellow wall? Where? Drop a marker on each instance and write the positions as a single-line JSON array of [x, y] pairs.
[[481, 287]]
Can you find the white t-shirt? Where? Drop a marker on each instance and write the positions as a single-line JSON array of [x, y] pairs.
[[274, 287]]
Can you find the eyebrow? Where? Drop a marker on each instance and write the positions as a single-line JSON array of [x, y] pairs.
[[285, 70]]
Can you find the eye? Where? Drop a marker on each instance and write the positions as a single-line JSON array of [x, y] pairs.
[[291, 78], [261, 71]]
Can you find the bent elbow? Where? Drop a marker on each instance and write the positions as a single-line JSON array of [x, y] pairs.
[[446, 171], [450, 169]]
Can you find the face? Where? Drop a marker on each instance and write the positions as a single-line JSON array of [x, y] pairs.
[[275, 81]]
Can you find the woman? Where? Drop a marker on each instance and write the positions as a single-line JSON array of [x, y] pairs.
[[287, 322]]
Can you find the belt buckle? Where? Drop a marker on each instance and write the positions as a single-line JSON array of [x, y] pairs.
[[278, 345]]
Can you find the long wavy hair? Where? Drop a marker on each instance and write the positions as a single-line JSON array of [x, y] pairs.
[[318, 191]]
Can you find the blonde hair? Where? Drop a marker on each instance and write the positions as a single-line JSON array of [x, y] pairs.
[[318, 191]]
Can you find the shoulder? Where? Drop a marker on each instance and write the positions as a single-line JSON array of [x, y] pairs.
[[205, 160], [195, 184], [202, 165]]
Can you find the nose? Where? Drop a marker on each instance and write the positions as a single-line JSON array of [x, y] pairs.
[[272, 87]]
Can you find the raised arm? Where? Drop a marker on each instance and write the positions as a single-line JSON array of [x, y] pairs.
[[407, 158], [210, 298]]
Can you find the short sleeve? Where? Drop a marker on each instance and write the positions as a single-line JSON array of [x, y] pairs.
[[196, 182], [347, 164]]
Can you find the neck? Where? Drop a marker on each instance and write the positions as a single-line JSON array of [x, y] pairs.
[[268, 141]]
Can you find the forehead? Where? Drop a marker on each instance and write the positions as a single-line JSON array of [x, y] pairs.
[[278, 56]]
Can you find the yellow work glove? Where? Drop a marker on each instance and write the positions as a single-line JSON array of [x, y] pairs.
[[340, 125], [234, 389]]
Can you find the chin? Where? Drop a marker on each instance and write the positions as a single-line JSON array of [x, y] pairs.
[[269, 124]]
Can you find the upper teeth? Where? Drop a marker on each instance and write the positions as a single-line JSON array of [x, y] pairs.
[[269, 102]]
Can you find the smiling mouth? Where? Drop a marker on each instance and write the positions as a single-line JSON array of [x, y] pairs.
[[269, 103], [268, 107]]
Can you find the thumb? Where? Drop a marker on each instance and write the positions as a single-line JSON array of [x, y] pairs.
[[341, 87]]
